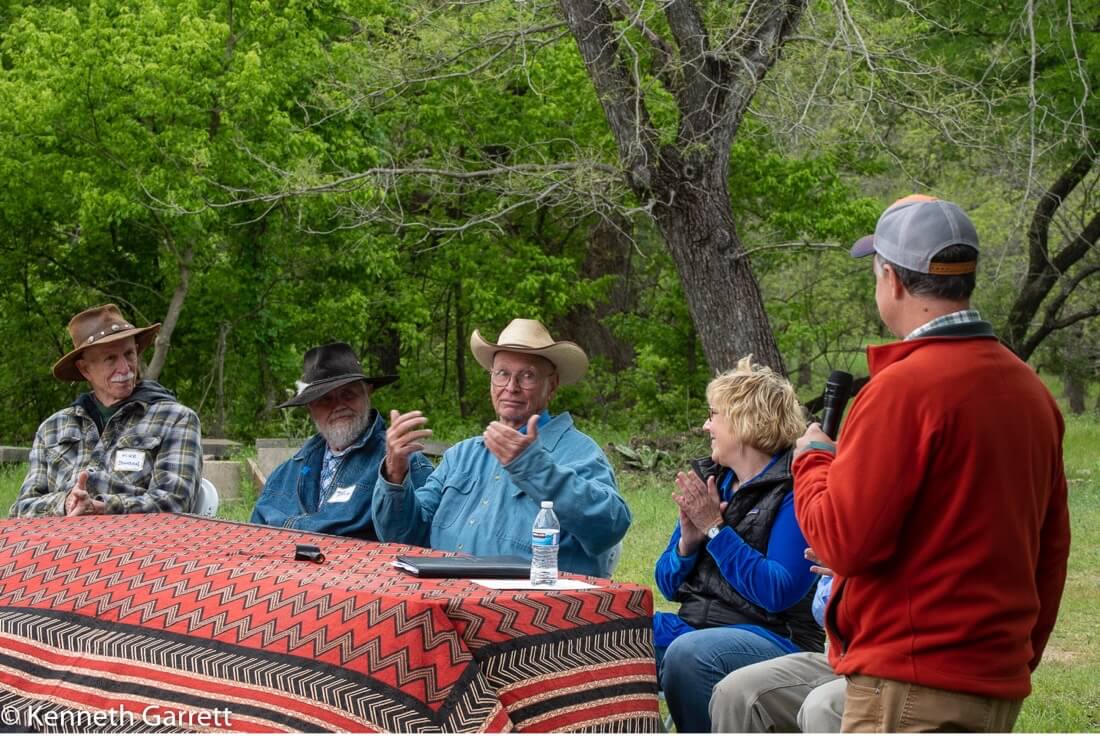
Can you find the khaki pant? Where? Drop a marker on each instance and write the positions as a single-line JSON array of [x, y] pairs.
[[874, 704], [796, 692]]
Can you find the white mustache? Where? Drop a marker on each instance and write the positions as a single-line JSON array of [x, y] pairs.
[[122, 379]]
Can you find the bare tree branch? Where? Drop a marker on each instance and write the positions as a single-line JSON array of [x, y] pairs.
[[622, 100]]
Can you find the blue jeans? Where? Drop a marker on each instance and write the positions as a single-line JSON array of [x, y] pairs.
[[695, 662]]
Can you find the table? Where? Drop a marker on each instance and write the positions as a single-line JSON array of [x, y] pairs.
[[171, 622]]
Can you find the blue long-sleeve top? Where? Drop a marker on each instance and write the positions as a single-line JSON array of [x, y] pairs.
[[473, 504], [774, 581]]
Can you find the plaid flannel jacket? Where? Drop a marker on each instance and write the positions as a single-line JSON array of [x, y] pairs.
[[151, 429]]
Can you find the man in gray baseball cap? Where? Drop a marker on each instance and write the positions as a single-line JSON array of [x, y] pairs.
[[942, 506], [915, 229], [931, 246]]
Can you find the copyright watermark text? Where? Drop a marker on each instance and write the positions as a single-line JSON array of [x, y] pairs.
[[42, 717]]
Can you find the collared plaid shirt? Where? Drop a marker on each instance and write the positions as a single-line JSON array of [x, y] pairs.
[[331, 464], [161, 436], [961, 317]]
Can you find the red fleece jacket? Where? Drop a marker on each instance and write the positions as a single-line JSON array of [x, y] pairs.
[[944, 516]]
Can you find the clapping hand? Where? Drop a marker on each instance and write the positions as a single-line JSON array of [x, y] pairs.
[[698, 501], [699, 507]]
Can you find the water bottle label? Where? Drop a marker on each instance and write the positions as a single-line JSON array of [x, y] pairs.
[[544, 537]]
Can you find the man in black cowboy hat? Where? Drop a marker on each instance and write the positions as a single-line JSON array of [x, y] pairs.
[[327, 485], [127, 446]]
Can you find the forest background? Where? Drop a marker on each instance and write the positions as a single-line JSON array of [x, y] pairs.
[[671, 185]]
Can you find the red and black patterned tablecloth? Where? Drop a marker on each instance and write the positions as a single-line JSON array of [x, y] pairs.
[[168, 622]]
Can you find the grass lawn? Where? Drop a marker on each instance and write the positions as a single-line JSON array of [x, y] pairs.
[[1065, 698]]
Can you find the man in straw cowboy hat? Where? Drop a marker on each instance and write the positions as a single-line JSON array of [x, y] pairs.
[[483, 497], [127, 446], [327, 485]]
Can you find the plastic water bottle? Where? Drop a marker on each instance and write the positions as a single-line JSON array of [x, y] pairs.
[[545, 535]]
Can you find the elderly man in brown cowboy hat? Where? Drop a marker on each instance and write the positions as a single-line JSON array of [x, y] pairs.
[[127, 446], [483, 497], [327, 485]]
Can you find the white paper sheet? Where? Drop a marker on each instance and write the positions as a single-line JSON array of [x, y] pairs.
[[561, 584]]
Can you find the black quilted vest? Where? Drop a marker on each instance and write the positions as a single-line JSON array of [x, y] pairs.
[[707, 600]]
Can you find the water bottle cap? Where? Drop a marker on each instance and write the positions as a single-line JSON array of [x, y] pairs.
[[547, 504]]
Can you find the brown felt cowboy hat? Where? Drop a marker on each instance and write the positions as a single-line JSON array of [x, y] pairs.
[[328, 367], [530, 337], [99, 326]]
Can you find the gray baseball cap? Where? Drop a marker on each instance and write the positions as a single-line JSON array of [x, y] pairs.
[[914, 229]]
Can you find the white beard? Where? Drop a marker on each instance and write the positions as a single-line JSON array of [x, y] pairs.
[[343, 434]]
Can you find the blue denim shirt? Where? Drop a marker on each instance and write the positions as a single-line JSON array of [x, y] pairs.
[[292, 499], [473, 504], [821, 598]]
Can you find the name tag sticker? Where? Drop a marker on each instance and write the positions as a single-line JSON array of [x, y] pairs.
[[340, 495], [129, 459]]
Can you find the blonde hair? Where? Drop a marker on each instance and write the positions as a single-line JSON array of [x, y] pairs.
[[759, 404]]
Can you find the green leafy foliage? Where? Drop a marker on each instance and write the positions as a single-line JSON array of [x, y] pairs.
[[127, 128], [642, 457], [128, 124]]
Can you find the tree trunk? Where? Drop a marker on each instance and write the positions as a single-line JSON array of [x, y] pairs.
[[1074, 389], [164, 337], [387, 351], [460, 351], [722, 292], [609, 252], [218, 430], [273, 393], [712, 81], [444, 381], [805, 373]]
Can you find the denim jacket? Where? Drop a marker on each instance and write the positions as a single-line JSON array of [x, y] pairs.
[[471, 503], [292, 498]]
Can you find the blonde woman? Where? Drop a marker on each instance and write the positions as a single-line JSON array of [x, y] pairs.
[[735, 562]]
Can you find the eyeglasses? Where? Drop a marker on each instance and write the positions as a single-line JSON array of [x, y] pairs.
[[526, 379]]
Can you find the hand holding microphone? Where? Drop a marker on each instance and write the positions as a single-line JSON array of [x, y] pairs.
[[838, 389]]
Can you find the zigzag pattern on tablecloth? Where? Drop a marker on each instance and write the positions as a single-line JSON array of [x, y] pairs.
[[369, 633], [237, 591], [611, 674], [256, 686], [490, 619]]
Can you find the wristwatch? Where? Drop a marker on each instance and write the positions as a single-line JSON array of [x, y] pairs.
[[713, 532]]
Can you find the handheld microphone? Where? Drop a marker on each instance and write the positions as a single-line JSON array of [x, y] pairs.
[[838, 389]]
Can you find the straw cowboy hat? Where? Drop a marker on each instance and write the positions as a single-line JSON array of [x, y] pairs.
[[326, 368], [100, 325], [530, 337]]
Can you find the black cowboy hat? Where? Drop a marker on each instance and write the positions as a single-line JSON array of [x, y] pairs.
[[328, 367]]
